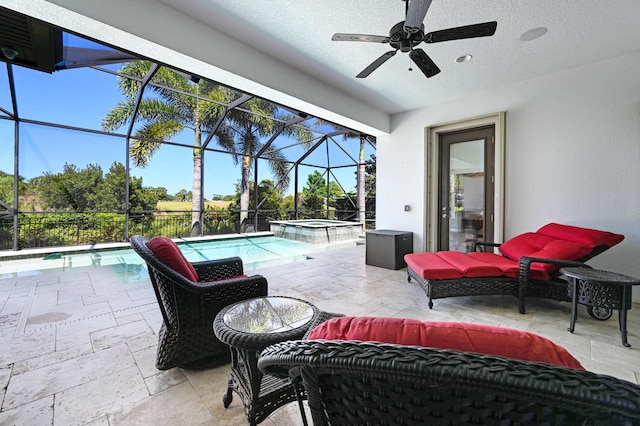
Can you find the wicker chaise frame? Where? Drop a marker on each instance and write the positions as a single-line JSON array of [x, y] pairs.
[[521, 287], [188, 308], [349, 382]]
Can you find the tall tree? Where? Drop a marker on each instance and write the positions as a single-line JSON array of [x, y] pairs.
[[317, 185], [70, 190], [111, 195], [180, 104], [244, 134], [6, 187]]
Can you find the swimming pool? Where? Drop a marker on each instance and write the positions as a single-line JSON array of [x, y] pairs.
[[255, 251]]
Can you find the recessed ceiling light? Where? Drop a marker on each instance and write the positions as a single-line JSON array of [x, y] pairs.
[[463, 58], [533, 34]]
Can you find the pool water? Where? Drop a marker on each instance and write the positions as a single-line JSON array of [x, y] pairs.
[[256, 252]]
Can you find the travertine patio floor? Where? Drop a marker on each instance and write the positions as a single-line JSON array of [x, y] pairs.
[[78, 348]]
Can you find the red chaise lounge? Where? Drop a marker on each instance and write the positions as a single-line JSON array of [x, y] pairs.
[[527, 265]]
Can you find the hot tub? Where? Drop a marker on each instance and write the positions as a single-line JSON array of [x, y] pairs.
[[316, 231]]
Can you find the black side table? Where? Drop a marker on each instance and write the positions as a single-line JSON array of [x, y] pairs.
[[250, 326], [601, 289]]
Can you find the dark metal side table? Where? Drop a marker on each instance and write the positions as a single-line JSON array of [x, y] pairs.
[[250, 326], [603, 289]]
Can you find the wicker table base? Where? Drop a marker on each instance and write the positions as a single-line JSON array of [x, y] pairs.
[[250, 326]]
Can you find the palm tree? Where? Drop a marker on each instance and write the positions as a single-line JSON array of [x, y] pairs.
[[180, 104], [244, 134]]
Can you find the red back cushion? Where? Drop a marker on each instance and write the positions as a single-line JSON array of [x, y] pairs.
[[538, 245], [166, 250], [467, 337], [586, 236]]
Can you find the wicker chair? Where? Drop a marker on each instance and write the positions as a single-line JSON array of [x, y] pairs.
[[351, 382], [188, 308]]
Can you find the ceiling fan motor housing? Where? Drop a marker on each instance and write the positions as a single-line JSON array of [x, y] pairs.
[[401, 39]]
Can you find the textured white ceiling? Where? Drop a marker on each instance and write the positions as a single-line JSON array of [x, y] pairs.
[[298, 33]]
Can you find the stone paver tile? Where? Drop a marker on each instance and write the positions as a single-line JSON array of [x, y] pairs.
[[186, 409], [68, 341], [35, 413], [5, 374], [49, 380], [129, 318], [25, 346], [163, 380], [15, 304], [146, 360], [204, 381], [85, 326], [138, 335], [65, 312], [9, 321], [84, 348], [95, 399]]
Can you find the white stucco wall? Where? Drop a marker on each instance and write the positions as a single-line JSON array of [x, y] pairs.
[[572, 156]]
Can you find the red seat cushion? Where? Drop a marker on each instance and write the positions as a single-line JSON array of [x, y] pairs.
[[431, 267], [470, 266], [510, 268], [586, 236], [532, 244], [467, 337], [166, 250]]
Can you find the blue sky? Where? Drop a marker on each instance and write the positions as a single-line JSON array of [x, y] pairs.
[[82, 97]]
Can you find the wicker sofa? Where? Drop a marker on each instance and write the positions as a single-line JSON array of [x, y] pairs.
[[381, 383], [190, 295], [527, 265]]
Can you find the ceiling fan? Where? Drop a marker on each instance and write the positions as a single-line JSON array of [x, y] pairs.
[[406, 35]]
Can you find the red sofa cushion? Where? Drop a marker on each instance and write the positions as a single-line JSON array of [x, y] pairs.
[[469, 266], [467, 337], [537, 245], [431, 267], [166, 250], [586, 236]]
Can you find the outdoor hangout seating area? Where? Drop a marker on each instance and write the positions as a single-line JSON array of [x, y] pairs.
[[528, 265], [332, 213], [86, 335]]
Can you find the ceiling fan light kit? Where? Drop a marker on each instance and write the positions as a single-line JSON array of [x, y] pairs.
[[405, 36]]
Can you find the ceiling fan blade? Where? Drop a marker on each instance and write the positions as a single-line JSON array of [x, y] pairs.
[[416, 11], [469, 31], [424, 62], [375, 64], [360, 37]]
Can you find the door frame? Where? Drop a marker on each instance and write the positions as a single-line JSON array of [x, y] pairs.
[[447, 140], [498, 120]]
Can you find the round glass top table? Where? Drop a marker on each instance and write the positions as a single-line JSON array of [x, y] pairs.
[[269, 315], [250, 326], [599, 288]]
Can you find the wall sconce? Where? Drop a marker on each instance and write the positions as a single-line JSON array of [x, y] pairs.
[[9, 52]]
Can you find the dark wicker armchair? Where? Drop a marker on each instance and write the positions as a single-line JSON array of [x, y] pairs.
[[351, 382], [188, 308]]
